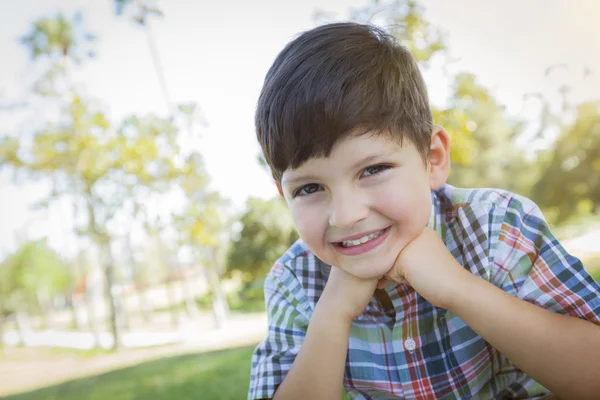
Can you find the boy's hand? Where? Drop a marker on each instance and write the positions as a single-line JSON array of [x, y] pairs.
[[347, 295], [427, 265]]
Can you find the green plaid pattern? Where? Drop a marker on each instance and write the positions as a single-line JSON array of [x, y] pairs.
[[404, 347]]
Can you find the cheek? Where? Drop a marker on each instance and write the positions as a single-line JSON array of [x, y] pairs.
[[410, 208], [309, 226]]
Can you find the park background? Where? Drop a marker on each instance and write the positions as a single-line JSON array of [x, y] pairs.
[[137, 218]]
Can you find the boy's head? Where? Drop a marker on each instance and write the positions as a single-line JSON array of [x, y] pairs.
[[345, 125], [335, 80]]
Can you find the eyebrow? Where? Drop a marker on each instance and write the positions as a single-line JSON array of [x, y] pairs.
[[294, 181], [364, 161], [370, 159]]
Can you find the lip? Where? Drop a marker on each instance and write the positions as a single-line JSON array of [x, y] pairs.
[[364, 247], [359, 235]]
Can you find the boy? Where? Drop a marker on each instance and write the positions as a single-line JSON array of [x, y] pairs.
[[403, 286]]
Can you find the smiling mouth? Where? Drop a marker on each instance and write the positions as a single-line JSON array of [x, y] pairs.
[[361, 245], [361, 240]]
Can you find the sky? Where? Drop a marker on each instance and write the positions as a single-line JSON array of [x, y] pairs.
[[217, 54]]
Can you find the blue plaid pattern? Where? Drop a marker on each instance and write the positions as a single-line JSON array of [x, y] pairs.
[[404, 347]]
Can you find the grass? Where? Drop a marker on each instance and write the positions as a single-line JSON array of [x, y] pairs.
[[216, 375]]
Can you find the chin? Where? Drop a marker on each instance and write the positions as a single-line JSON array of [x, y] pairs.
[[368, 272]]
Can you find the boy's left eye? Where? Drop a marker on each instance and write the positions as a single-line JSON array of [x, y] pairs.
[[373, 170]]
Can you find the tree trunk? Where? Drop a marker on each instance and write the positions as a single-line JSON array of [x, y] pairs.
[[74, 319], [170, 287], [2, 322], [44, 308], [220, 306], [157, 64], [22, 322], [125, 318], [113, 303], [140, 290], [190, 303], [145, 308], [92, 317], [74, 308]]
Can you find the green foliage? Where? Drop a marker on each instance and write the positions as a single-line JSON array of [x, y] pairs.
[[592, 264], [58, 41], [107, 170], [247, 300], [217, 375], [570, 183], [267, 232], [104, 168], [483, 149], [57, 37], [575, 226], [142, 10], [596, 274], [404, 20], [32, 270]]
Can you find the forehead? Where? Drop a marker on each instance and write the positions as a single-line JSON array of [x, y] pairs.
[[349, 153]]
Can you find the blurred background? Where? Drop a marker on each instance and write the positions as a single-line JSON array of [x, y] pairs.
[[137, 217]]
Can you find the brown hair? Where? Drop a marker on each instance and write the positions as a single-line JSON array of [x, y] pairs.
[[335, 80]]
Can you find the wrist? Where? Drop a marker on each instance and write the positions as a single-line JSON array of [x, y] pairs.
[[328, 308], [460, 291]]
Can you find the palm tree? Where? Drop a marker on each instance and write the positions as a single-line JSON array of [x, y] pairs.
[[141, 12], [60, 41]]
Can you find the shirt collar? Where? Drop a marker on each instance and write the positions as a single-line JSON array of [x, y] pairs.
[[435, 216]]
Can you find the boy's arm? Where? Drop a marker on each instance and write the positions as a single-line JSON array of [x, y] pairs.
[[560, 352], [537, 281], [318, 370]]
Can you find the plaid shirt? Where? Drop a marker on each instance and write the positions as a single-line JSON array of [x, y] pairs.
[[404, 347]]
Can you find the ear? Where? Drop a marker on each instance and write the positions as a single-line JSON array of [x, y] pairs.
[[439, 157], [280, 190]]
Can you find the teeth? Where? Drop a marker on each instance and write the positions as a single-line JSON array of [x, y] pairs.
[[364, 239]]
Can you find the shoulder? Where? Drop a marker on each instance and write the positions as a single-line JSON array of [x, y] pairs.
[[485, 202], [479, 224], [301, 273]]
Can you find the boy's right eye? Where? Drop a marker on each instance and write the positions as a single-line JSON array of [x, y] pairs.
[[307, 189]]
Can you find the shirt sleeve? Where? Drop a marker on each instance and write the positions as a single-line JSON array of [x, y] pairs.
[[531, 264], [288, 318]]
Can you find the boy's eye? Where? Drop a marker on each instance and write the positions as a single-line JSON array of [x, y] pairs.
[[307, 189], [373, 170]]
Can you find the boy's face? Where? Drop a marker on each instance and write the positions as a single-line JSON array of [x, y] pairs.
[[359, 207]]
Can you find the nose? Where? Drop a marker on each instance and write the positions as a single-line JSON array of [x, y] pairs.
[[346, 211]]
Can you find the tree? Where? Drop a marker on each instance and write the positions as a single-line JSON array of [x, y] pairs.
[[203, 227], [142, 12], [483, 139], [58, 42], [267, 232], [30, 278], [482, 135], [570, 182], [404, 20], [109, 171]]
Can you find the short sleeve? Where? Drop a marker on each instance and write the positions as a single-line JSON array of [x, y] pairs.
[[531, 264], [288, 318]]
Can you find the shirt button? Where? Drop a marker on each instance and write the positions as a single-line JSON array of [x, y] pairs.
[[409, 344]]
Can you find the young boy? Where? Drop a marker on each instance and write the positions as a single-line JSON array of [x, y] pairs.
[[403, 286]]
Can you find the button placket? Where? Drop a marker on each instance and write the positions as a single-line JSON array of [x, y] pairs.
[[410, 345]]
